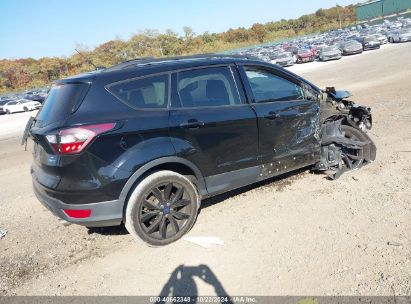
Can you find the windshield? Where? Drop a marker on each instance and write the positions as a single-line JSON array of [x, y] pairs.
[[329, 49], [351, 42], [283, 56]]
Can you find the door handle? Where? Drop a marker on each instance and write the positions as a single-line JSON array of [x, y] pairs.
[[272, 115], [192, 124]]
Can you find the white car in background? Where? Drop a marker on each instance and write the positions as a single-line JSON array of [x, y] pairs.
[[21, 105], [402, 35], [381, 38]]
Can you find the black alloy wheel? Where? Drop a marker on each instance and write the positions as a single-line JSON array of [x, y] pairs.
[[165, 210], [352, 157], [162, 208]]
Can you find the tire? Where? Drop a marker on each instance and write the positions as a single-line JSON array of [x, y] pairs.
[[26, 109], [356, 157], [8, 112], [159, 214]]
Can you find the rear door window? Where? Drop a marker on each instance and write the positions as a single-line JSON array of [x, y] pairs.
[[207, 87], [142, 93]]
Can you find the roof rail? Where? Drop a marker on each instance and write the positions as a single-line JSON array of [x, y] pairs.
[[149, 60]]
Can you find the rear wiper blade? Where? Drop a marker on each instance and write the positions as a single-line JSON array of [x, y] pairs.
[[26, 133]]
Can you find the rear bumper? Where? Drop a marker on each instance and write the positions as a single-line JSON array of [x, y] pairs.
[[285, 64], [305, 59], [371, 47], [352, 52], [331, 58], [108, 213]]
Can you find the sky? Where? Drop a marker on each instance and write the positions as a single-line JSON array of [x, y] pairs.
[[39, 28]]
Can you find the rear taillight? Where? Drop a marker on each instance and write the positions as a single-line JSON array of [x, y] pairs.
[[74, 140], [81, 213]]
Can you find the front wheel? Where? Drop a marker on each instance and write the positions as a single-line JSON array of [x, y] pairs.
[[26, 109], [353, 158], [162, 208]]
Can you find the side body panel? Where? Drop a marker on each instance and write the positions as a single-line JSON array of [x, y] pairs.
[[288, 130], [216, 139]]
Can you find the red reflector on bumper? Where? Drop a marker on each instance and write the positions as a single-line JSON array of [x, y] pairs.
[[81, 213]]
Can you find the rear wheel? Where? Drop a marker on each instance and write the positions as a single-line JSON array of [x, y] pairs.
[[162, 208], [8, 112], [353, 158], [25, 109]]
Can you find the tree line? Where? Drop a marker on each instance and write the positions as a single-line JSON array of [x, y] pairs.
[[20, 74]]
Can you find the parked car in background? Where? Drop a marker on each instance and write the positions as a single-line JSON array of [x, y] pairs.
[[304, 55], [370, 43], [351, 47], [390, 34], [402, 35], [2, 103], [329, 53], [38, 94], [21, 105], [285, 59], [40, 97], [381, 38]]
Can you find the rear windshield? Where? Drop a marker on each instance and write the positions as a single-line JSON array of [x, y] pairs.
[[329, 49], [62, 100], [281, 56]]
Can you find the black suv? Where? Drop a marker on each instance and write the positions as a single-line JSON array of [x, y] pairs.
[[143, 142]]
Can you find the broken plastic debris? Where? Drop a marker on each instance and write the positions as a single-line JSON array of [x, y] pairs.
[[3, 233], [204, 241], [394, 244]]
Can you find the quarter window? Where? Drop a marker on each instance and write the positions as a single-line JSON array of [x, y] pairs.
[[207, 87], [147, 92], [268, 87]]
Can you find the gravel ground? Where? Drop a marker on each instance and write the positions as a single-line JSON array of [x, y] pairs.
[[298, 235]]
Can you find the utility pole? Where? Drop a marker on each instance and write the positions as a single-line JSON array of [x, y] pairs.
[[339, 15], [382, 9]]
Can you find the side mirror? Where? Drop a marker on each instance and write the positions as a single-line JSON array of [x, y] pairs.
[[309, 94]]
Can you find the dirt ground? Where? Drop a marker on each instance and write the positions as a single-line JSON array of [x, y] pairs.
[[300, 235]]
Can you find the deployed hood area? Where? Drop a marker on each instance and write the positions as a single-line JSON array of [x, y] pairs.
[[343, 133], [337, 95]]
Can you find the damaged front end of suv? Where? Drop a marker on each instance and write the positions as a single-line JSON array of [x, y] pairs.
[[345, 144]]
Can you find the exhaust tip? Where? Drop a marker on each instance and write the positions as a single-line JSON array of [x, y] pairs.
[[64, 222]]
